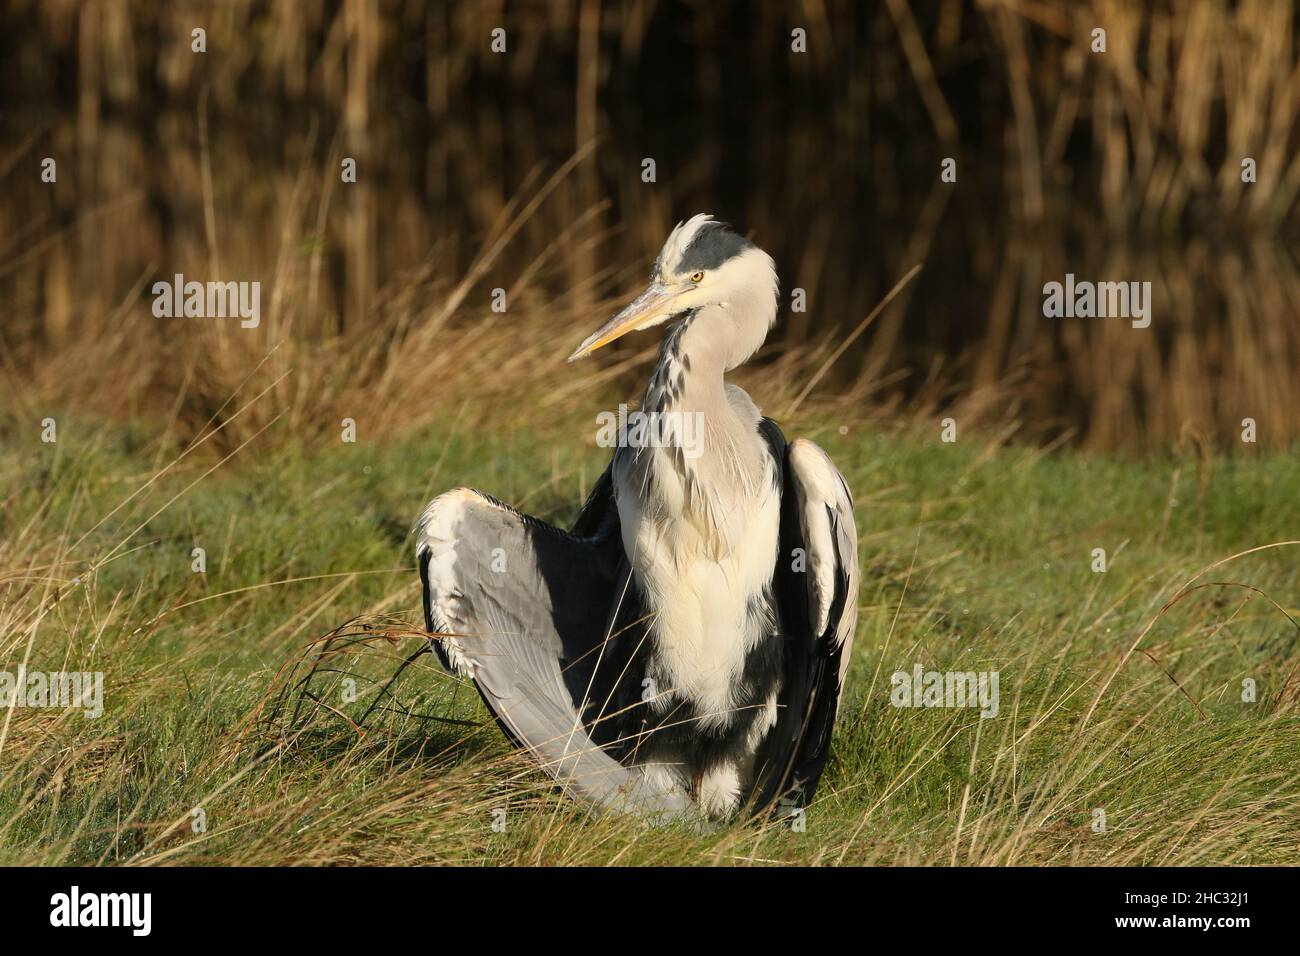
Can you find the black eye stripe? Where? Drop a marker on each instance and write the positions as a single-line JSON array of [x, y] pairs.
[[713, 245]]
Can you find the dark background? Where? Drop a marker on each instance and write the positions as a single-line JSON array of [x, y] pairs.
[[1122, 166]]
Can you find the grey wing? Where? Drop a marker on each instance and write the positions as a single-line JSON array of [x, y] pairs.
[[817, 592], [522, 608]]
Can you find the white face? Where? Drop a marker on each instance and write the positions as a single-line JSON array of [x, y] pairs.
[[731, 281], [695, 269]]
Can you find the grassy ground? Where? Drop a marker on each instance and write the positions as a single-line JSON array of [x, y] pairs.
[[213, 749]]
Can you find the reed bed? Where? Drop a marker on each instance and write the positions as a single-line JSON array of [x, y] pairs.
[[521, 171]]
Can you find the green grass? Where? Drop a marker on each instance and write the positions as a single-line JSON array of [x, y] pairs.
[[972, 560]]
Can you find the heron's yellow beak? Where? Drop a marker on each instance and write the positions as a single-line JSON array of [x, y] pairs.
[[649, 308]]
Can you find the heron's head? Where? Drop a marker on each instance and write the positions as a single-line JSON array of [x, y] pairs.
[[706, 269]]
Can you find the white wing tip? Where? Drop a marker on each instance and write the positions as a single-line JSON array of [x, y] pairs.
[[435, 532]]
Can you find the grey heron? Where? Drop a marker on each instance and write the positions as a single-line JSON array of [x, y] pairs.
[[683, 648]]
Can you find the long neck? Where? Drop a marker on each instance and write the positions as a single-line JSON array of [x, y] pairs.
[[689, 374], [721, 461], [710, 341], [711, 444]]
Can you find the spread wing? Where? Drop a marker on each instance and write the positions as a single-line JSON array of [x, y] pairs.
[[817, 594], [524, 610]]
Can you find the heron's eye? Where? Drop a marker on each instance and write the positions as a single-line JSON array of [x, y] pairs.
[[697, 276]]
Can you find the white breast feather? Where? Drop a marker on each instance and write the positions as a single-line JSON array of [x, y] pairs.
[[697, 573]]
